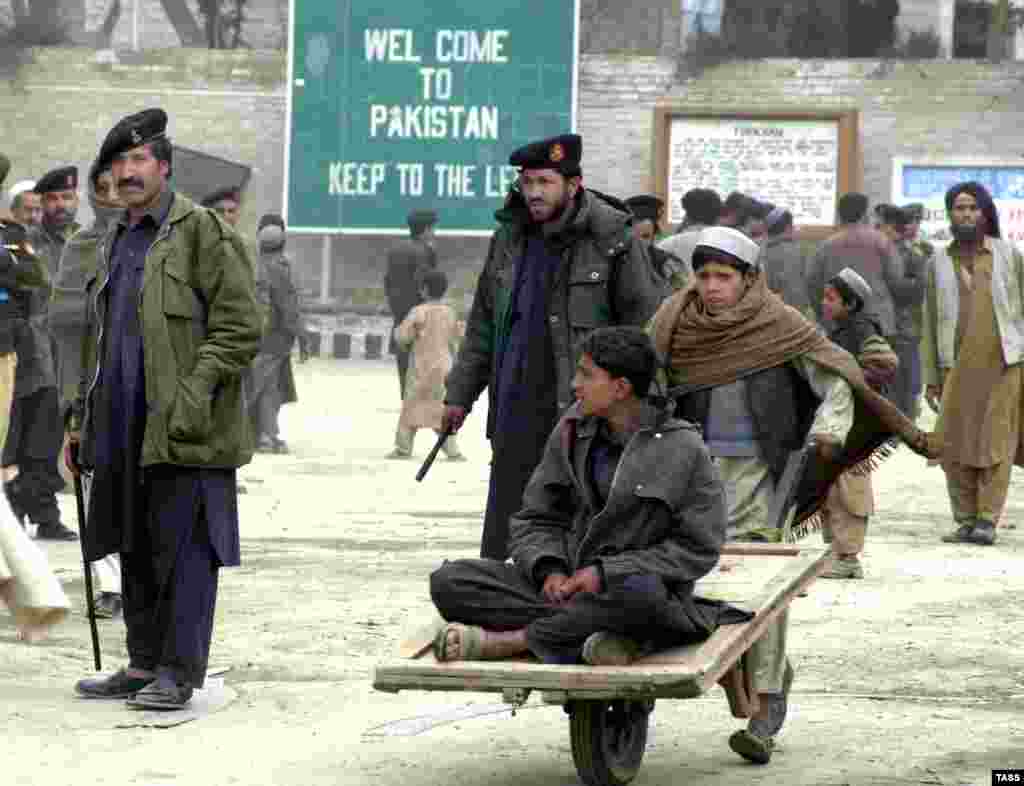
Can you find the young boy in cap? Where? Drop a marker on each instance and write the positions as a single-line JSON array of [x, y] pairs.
[[762, 382], [430, 333], [850, 500]]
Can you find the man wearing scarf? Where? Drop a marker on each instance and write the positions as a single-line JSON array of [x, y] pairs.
[[67, 325], [971, 358], [270, 383], [762, 382]]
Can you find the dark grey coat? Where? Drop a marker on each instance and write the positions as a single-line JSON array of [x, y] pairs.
[[665, 515]]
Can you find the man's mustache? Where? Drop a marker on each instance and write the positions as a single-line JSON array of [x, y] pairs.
[[130, 181]]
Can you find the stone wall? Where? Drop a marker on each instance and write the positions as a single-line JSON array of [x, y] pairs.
[[57, 109], [908, 108]]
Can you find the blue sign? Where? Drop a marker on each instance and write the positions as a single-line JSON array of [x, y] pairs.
[[921, 183]]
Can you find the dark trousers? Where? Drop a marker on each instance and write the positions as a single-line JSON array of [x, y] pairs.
[[34, 442], [513, 461], [402, 359], [906, 389], [169, 580], [495, 595], [265, 410]]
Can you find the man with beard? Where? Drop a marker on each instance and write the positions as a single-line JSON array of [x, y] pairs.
[[408, 262], [562, 263], [67, 324], [33, 445], [26, 208], [762, 382], [972, 351], [272, 383], [172, 323]]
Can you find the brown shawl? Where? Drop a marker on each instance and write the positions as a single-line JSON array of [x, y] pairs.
[[760, 332]]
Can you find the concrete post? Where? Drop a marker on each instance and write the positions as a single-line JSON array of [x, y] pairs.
[[325, 270], [946, 21]]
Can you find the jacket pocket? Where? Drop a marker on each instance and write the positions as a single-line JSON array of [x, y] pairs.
[[191, 413], [185, 317], [589, 306]]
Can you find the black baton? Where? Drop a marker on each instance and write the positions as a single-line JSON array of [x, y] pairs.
[[433, 453], [89, 601]]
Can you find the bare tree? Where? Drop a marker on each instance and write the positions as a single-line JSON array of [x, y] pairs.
[[183, 22]]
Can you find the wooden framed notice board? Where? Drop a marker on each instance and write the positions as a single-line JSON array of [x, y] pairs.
[[800, 160]]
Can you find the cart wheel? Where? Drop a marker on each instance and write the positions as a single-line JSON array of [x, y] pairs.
[[608, 739]]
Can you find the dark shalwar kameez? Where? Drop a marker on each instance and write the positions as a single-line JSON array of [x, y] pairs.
[[527, 394], [165, 521]]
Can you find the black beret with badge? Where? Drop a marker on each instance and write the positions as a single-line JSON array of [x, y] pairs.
[[646, 207], [132, 131], [419, 220], [214, 198], [64, 178], [561, 153]]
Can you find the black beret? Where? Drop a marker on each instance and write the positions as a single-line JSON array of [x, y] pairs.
[[892, 215], [5, 167], [270, 219], [229, 192], [645, 207], [561, 153], [421, 219], [915, 212], [63, 179], [132, 131]]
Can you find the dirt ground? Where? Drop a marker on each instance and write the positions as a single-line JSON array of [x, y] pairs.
[[914, 675]]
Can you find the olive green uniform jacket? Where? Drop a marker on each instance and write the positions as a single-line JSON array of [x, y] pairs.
[[605, 279], [201, 328]]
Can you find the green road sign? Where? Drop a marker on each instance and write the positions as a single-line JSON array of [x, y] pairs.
[[395, 105]]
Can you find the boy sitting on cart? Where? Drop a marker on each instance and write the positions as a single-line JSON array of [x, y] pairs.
[[622, 516]]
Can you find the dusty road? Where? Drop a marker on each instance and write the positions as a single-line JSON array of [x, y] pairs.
[[913, 676]]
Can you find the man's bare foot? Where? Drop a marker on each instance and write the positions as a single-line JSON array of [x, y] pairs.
[[469, 642], [33, 634]]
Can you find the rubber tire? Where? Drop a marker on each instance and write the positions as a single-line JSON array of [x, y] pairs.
[[608, 739]]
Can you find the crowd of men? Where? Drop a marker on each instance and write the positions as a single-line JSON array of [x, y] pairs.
[[600, 339], [155, 346], [646, 395]]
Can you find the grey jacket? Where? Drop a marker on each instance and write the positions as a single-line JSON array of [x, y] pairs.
[[786, 268], [665, 514]]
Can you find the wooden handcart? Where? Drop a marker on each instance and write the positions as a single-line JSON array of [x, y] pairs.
[[609, 706]]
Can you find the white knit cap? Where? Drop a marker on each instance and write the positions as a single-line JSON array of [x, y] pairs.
[[856, 283], [729, 241], [20, 188]]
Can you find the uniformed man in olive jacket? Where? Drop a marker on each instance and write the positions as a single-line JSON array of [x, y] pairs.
[[562, 263], [172, 324]]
